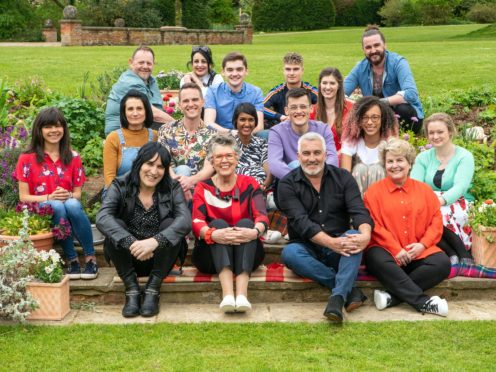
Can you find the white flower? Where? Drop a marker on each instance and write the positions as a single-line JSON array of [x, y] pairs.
[[48, 269]]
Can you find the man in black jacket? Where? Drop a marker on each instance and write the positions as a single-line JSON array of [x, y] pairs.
[[319, 200]]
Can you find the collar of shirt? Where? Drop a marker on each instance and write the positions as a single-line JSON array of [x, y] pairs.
[[300, 176], [392, 187], [241, 93]]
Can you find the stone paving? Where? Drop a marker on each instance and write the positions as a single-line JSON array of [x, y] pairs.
[[270, 312]]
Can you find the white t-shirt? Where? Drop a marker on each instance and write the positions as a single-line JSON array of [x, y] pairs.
[[367, 156]]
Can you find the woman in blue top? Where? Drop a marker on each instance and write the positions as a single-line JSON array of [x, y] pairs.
[[449, 170]]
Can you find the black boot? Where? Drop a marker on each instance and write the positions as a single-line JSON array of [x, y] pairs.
[[151, 301], [133, 297], [334, 309], [355, 299]]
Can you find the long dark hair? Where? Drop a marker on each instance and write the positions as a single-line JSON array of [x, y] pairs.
[[353, 131], [246, 108], [207, 54], [46, 117], [133, 93], [321, 114], [147, 152]]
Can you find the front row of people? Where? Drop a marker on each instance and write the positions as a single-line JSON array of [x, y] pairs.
[[145, 220]]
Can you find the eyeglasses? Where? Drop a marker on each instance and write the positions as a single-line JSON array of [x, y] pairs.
[[202, 48], [374, 118], [219, 157], [298, 107]]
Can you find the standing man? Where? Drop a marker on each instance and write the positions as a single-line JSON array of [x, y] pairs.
[[187, 140], [222, 99], [386, 75], [139, 77], [283, 138], [319, 201], [275, 100]]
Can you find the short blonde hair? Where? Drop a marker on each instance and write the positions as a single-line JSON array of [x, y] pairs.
[[397, 147], [442, 117], [293, 58]]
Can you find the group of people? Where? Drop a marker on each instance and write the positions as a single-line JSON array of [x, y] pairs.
[[351, 190]]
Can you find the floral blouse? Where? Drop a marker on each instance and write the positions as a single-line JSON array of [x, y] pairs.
[[43, 178], [185, 148]]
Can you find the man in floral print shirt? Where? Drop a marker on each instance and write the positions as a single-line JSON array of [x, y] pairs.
[[187, 140]]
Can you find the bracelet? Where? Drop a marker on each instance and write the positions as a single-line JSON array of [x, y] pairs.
[[259, 233], [208, 235]]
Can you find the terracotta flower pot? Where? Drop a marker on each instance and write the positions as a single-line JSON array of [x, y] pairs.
[[484, 246], [53, 299], [41, 242]]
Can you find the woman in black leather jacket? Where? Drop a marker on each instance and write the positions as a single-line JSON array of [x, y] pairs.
[[144, 219]]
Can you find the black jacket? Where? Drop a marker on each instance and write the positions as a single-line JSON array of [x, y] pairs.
[[118, 205]]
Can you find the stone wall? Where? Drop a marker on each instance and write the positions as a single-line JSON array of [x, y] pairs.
[[73, 33]]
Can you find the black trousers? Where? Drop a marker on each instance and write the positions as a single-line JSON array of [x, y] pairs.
[[407, 283], [406, 112], [212, 258], [452, 245], [159, 265]]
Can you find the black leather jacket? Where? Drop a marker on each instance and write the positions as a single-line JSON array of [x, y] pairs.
[[118, 205]]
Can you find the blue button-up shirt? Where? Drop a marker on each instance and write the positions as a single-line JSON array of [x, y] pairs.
[[224, 101]]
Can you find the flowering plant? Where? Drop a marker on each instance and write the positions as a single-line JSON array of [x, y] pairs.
[[170, 106], [483, 215], [48, 266], [169, 80], [39, 221]]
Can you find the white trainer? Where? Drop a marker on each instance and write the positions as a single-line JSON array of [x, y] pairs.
[[271, 236], [435, 305], [382, 299], [228, 304], [242, 304]]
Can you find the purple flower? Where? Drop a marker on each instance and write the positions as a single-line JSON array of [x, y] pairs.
[[406, 137], [421, 148], [62, 230], [414, 118], [428, 146]]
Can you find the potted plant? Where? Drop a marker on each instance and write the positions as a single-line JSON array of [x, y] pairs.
[[39, 225], [483, 223], [23, 271], [168, 82]]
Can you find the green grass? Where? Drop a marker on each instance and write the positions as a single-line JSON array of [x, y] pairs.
[[428, 346], [441, 57]]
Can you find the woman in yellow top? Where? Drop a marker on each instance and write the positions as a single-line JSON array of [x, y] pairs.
[[122, 145]]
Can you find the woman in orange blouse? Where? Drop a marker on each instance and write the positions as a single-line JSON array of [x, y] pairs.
[[402, 252]]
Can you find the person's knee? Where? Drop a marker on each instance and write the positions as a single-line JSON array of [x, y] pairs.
[[58, 208], [444, 264], [182, 170], [73, 205], [290, 254], [245, 222], [219, 224], [374, 256]]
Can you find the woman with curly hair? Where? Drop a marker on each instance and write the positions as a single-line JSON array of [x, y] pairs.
[[370, 123], [332, 107]]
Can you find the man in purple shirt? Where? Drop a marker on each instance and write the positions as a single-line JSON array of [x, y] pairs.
[[283, 137]]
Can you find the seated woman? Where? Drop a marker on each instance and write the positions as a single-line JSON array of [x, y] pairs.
[[370, 123], [332, 107], [122, 145], [202, 64], [144, 219], [50, 172], [448, 169], [229, 217], [402, 252]]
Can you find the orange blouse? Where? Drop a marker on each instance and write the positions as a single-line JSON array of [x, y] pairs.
[[404, 215]]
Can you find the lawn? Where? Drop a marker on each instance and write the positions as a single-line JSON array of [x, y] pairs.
[[442, 57], [435, 345]]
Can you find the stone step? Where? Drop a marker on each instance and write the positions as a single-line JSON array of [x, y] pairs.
[[104, 291]]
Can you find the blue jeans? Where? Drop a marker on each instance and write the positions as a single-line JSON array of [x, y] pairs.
[[264, 134], [72, 211], [324, 266], [182, 170]]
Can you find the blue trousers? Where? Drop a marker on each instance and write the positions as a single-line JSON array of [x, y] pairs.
[[71, 210], [324, 266]]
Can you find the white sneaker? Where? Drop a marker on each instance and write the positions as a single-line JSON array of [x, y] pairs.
[[271, 204], [271, 236], [228, 304], [242, 304], [382, 299], [435, 305]]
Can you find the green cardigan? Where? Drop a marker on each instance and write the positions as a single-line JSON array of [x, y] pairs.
[[457, 176]]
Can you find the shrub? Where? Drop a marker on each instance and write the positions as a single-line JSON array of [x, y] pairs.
[[103, 85], [435, 12], [195, 14], [392, 13], [482, 13], [291, 15], [357, 12], [222, 12]]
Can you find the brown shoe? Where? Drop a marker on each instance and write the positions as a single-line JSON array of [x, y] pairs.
[[355, 299]]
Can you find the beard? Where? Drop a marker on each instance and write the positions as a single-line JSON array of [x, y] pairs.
[[312, 172], [378, 61]]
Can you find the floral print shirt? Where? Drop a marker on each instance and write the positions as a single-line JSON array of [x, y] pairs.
[[185, 148], [43, 178]]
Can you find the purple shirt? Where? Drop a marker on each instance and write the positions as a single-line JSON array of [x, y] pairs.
[[283, 146]]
